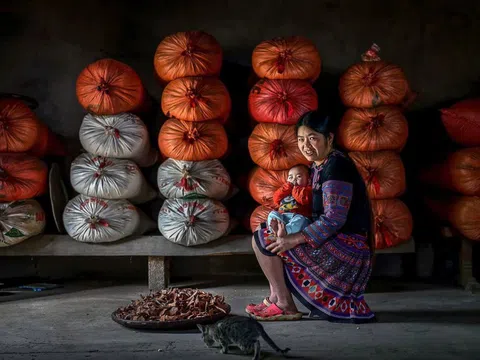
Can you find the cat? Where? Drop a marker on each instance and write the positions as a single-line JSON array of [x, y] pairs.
[[240, 331]]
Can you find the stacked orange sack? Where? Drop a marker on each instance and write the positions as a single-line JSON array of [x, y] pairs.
[[24, 139], [110, 87], [374, 131], [286, 68], [193, 139], [460, 172]]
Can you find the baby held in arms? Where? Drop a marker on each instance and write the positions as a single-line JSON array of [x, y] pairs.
[[294, 202]]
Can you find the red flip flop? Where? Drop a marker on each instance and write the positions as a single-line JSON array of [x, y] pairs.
[[253, 308], [274, 313]]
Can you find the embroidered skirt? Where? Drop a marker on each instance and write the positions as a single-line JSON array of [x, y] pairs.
[[330, 280]]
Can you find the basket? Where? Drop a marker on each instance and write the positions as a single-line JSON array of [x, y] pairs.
[[170, 325]]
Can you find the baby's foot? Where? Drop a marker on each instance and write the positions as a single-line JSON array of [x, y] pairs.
[[282, 231], [274, 226]]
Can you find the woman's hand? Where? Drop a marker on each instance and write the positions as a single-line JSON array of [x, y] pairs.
[[284, 242]]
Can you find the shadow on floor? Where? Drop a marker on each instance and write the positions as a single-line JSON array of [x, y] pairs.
[[13, 293], [386, 285], [429, 316]]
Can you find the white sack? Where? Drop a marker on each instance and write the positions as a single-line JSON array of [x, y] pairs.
[[193, 222], [20, 220], [110, 178], [122, 136], [95, 220], [180, 179]]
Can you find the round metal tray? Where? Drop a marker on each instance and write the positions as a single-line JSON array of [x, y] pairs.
[[169, 325]]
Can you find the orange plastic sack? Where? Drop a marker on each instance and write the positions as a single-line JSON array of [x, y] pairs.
[[462, 212], [22, 177], [192, 141], [189, 53], [382, 128], [462, 122], [263, 183], [196, 99], [373, 82], [459, 173], [393, 223], [281, 101], [22, 131], [383, 173], [110, 87], [259, 216], [292, 57], [274, 147]]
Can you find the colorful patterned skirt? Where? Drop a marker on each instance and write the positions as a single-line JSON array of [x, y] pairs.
[[330, 280]]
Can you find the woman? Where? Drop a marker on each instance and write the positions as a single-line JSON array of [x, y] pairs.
[[328, 264]]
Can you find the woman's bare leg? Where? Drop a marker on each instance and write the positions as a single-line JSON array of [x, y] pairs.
[[272, 267]]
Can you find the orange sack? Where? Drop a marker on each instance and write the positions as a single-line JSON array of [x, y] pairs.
[[382, 128], [274, 147], [189, 53], [109, 87], [263, 183], [259, 216], [459, 173], [462, 212], [22, 176], [383, 173], [292, 57], [462, 122], [196, 99], [192, 141], [393, 223], [22, 131], [281, 101], [373, 83]]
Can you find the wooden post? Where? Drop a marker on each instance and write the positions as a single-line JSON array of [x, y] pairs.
[[467, 279], [158, 272]]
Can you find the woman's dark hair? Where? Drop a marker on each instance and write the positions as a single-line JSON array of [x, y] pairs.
[[315, 120]]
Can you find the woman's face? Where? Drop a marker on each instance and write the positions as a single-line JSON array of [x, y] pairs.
[[313, 145]]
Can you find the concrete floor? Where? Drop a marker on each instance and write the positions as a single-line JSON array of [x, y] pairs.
[[421, 324]]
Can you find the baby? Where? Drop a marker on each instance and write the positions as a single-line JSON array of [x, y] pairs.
[[294, 202]]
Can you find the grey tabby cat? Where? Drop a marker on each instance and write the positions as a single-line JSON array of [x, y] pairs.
[[240, 331]]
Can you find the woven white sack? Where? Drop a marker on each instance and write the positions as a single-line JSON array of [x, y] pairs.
[[20, 220], [122, 136], [180, 179], [110, 178], [193, 222], [95, 220]]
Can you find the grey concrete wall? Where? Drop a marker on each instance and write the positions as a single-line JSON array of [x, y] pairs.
[[45, 44]]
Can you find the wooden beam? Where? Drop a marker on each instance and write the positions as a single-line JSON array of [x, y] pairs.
[[467, 280], [158, 272]]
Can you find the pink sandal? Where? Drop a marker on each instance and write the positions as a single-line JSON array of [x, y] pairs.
[[254, 308], [274, 313]]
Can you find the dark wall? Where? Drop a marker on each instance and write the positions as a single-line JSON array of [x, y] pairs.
[[45, 45]]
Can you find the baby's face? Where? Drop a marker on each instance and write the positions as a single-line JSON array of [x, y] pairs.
[[298, 176]]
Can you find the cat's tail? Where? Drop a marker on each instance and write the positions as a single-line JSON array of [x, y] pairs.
[[270, 342]]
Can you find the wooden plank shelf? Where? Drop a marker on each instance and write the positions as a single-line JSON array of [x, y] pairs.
[[156, 247]]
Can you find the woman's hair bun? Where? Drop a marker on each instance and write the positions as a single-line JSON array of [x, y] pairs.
[[320, 122]]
